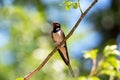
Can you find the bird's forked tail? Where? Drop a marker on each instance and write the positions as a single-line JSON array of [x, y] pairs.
[[71, 70]]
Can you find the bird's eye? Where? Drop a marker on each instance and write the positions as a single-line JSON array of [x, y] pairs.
[[57, 24]]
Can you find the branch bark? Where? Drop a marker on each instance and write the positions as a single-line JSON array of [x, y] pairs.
[[28, 76], [93, 67]]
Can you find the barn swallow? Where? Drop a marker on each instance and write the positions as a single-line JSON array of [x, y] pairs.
[[58, 36]]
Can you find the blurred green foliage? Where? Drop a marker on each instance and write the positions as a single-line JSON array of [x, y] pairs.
[[108, 65], [91, 54], [30, 42], [88, 78], [20, 79]]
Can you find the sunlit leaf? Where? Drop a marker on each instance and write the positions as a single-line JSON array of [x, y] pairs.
[[111, 50], [111, 47], [88, 78], [105, 65], [20, 79], [82, 78], [113, 61], [68, 4], [91, 54], [67, 7], [75, 5], [108, 72], [93, 78], [118, 74]]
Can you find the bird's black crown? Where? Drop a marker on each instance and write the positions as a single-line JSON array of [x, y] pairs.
[[56, 25]]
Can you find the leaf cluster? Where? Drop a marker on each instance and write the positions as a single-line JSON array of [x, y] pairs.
[[108, 65], [70, 4]]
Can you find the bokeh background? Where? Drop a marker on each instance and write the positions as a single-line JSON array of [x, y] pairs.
[[25, 36]]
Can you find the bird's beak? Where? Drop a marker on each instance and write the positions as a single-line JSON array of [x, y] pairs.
[[55, 24]]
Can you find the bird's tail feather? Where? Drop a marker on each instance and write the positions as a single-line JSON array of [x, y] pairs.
[[71, 70]]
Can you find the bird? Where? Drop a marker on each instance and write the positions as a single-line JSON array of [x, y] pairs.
[[58, 36]]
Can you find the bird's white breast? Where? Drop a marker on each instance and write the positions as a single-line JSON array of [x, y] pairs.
[[58, 38]]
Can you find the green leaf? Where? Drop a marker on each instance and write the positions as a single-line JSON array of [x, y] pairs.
[[20, 79], [108, 72], [118, 74], [111, 47], [111, 50], [113, 61], [82, 78], [107, 65], [93, 78], [69, 4], [67, 7], [75, 5], [88, 78], [91, 54]]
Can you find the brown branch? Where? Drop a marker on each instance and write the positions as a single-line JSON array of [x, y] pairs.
[[27, 77], [93, 67]]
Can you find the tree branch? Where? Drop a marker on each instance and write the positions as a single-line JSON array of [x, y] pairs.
[[27, 77], [93, 67]]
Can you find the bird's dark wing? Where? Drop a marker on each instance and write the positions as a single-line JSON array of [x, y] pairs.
[[64, 54]]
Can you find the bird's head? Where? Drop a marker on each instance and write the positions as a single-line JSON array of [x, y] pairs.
[[56, 25]]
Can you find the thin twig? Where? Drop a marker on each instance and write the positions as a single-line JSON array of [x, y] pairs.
[[97, 71], [27, 77], [80, 6], [93, 67]]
